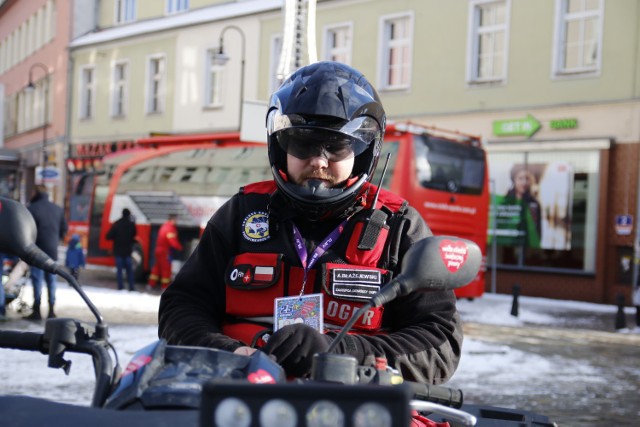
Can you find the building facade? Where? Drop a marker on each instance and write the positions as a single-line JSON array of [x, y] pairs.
[[33, 75], [552, 87]]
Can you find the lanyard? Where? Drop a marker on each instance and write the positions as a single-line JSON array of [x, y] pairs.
[[318, 252]]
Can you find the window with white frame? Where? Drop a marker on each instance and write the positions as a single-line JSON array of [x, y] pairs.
[[578, 36], [175, 6], [489, 35], [338, 42], [213, 80], [155, 84], [87, 93], [10, 115], [397, 44], [276, 49], [119, 92], [125, 11]]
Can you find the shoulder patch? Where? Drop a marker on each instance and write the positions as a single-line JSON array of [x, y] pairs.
[[255, 227]]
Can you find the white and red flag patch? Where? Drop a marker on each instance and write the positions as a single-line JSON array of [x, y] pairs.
[[263, 274]]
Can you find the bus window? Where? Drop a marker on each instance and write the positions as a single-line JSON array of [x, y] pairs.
[[449, 166]]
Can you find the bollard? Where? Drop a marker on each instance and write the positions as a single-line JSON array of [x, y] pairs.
[[514, 305], [621, 319]]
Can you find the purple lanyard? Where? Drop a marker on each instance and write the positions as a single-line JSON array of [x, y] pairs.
[[318, 252]]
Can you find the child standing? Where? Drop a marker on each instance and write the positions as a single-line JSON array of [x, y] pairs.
[[75, 256]]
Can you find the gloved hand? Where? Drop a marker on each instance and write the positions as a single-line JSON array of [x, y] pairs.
[[294, 347]]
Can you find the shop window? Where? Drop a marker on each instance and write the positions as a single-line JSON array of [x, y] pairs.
[[544, 210], [624, 272], [8, 183]]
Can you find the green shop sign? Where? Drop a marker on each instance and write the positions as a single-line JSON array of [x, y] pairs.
[[516, 127], [563, 124]]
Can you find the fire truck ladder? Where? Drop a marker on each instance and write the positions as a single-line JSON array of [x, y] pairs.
[[158, 205]]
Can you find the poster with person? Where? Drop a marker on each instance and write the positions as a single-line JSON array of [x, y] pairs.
[[533, 204]]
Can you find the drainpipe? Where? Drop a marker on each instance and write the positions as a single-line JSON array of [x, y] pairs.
[[635, 297], [636, 250]]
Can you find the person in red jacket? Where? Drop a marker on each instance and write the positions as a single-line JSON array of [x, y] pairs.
[[167, 240]]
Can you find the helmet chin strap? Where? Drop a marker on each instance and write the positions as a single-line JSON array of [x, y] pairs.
[[314, 185]]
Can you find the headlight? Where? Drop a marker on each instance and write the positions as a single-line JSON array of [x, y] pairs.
[[232, 412], [279, 413], [325, 414], [371, 415], [240, 404]]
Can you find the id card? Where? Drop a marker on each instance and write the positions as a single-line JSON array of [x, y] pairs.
[[305, 309]]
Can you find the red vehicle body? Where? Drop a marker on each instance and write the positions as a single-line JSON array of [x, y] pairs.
[[444, 175]]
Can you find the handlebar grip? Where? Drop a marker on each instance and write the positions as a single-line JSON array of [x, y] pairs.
[[31, 341], [438, 394]]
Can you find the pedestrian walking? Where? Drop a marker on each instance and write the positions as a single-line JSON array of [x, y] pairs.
[[123, 235], [52, 227], [166, 242], [74, 258]]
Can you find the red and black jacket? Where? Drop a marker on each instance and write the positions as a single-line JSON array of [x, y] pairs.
[[263, 271], [217, 290]]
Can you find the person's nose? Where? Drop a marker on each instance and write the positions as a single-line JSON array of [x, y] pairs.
[[319, 162]]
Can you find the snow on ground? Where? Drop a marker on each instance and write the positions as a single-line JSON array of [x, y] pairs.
[[27, 372]]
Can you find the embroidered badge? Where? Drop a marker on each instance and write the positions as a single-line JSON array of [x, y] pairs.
[[355, 283], [255, 227]]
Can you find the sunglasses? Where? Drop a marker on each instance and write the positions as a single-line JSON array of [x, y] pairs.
[[306, 143]]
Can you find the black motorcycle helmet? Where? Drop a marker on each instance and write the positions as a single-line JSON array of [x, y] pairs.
[[326, 107]]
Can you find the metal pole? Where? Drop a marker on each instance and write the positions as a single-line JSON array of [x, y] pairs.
[[45, 159], [635, 286], [494, 240]]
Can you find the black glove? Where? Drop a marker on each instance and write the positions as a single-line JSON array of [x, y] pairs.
[[294, 347]]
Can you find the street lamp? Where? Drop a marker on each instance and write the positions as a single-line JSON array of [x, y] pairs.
[[221, 58], [31, 87]]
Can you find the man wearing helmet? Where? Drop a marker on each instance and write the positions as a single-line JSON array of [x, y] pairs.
[[311, 231]]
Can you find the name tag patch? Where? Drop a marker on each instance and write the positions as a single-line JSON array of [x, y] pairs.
[[355, 283]]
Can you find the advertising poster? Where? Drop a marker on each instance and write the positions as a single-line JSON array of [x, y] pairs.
[[533, 204]]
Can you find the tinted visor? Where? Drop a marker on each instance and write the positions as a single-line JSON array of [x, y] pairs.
[[311, 137], [305, 143]]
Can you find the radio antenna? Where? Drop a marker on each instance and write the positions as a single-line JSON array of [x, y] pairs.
[[384, 171]]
